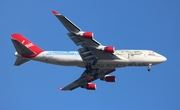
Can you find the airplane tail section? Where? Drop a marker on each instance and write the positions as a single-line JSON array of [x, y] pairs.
[[24, 46], [25, 49]]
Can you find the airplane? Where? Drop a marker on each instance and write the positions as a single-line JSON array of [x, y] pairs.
[[97, 59]]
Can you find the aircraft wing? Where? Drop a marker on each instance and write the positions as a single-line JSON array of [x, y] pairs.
[[86, 78], [90, 47], [71, 27], [75, 31]]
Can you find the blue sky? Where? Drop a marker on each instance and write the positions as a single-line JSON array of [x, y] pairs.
[[127, 24]]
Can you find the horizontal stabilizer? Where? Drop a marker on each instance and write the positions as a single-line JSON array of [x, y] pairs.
[[20, 48], [20, 61]]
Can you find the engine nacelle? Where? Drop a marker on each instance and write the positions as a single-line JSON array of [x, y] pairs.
[[109, 49], [91, 86], [108, 78], [88, 35]]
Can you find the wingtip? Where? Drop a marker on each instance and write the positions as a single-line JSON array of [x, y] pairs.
[[59, 88], [55, 12]]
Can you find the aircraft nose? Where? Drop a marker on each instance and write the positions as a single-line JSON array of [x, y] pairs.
[[164, 58], [160, 58]]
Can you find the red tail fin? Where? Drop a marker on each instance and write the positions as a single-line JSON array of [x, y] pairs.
[[24, 41]]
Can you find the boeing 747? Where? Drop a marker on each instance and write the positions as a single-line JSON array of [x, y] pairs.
[[97, 59]]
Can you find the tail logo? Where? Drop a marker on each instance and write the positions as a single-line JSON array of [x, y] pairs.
[[29, 45], [23, 41]]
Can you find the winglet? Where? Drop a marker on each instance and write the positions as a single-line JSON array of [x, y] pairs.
[[59, 88], [55, 13]]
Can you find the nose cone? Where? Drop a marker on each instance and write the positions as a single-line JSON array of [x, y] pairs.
[[164, 58], [161, 59]]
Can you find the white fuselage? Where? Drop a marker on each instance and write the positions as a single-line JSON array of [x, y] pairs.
[[125, 58]]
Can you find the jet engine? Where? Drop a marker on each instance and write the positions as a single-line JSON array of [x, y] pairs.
[[88, 35], [108, 78], [109, 49], [91, 86]]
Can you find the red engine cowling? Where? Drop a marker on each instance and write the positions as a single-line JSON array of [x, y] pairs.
[[91, 86], [88, 35], [109, 49], [109, 79]]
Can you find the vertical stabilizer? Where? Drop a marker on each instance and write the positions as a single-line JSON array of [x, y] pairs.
[[25, 49], [23, 44]]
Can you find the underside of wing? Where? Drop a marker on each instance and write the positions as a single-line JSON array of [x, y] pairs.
[[86, 78], [84, 39], [75, 33], [70, 26], [88, 54]]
